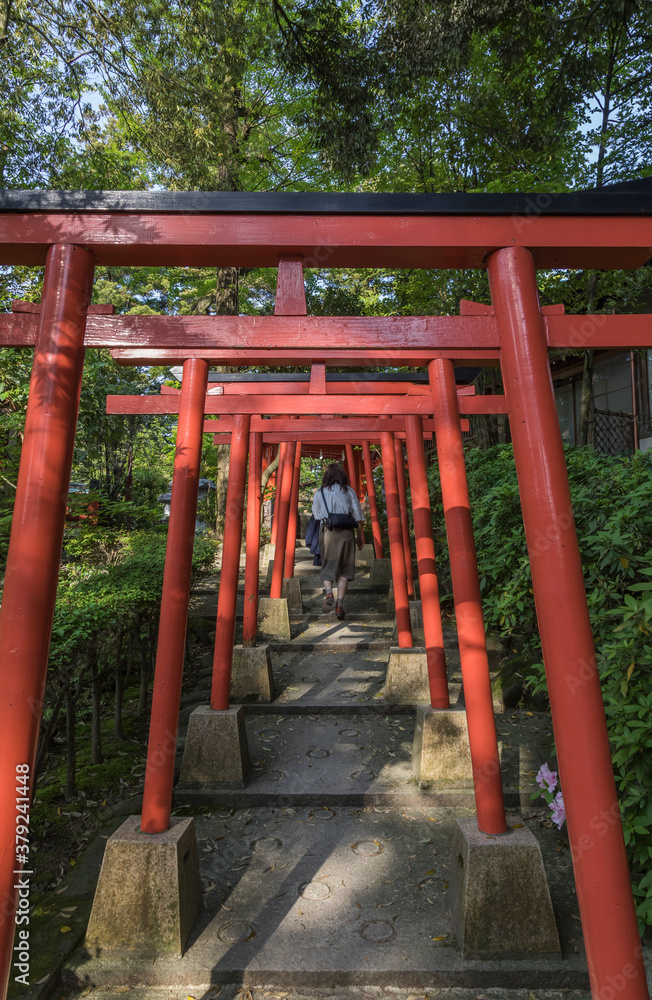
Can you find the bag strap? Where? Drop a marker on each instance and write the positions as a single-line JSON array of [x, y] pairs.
[[321, 490]]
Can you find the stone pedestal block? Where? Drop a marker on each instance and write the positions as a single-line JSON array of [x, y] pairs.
[[216, 751], [498, 895], [268, 554], [407, 677], [251, 674], [381, 573], [274, 618], [291, 590], [441, 754], [390, 608], [416, 621], [268, 572], [148, 894], [364, 557]]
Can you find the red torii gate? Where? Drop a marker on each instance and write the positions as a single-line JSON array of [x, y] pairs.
[[510, 235]]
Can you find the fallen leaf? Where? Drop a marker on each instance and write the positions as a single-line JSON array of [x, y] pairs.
[[431, 872], [65, 929], [59, 891], [531, 996], [442, 938], [517, 826], [575, 917], [44, 980]]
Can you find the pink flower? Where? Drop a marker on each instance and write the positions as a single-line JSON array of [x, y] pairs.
[[546, 778], [558, 810]]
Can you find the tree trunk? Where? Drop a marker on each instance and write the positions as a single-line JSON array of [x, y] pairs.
[[271, 468], [71, 749], [592, 284], [144, 672], [96, 709], [46, 739], [585, 402], [117, 721]]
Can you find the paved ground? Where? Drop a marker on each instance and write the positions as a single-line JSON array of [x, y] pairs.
[[327, 875]]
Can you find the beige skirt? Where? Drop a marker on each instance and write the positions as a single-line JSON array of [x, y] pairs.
[[337, 550]]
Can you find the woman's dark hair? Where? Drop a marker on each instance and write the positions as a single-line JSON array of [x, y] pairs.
[[334, 473]]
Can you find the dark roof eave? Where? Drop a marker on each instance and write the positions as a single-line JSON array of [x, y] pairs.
[[632, 198]]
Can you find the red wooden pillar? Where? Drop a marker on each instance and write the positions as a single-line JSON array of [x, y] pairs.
[[601, 872], [468, 604], [250, 619], [357, 485], [171, 646], [278, 476], [35, 550], [350, 464], [283, 518], [425, 545], [293, 515], [228, 594], [373, 507], [405, 523], [396, 550]]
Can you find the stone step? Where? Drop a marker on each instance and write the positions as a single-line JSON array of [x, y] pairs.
[[327, 895]]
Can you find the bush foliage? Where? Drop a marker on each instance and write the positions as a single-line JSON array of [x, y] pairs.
[[105, 620], [612, 505]]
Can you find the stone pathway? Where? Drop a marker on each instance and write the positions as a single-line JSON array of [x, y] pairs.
[[327, 875]]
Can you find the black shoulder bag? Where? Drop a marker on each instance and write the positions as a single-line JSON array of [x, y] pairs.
[[337, 522]]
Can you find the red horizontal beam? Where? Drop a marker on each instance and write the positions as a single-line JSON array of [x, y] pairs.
[[313, 404], [428, 241], [303, 388], [263, 333], [363, 339], [304, 356], [319, 438], [312, 425], [316, 404]]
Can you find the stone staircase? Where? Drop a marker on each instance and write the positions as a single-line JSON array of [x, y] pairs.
[[331, 868]]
